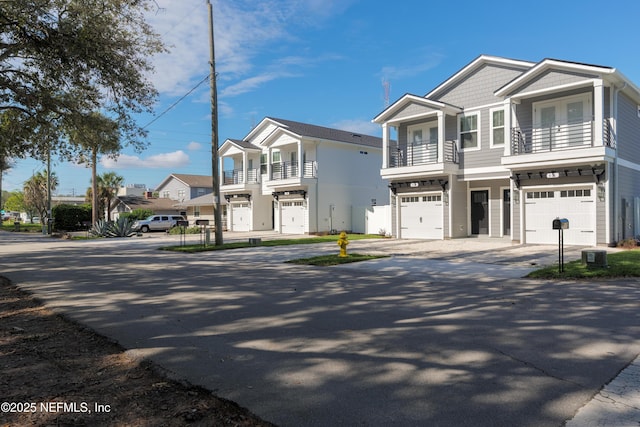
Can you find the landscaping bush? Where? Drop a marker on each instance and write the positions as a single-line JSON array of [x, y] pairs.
[[70, 217], [136, 214]]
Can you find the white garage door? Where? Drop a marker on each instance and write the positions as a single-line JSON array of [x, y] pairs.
[[240, 217], [577, 204], [292, 216], [421, 217]]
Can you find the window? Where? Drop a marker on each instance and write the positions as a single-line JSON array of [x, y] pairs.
[[275, 157], [497, 128], [196, 211], [166, 194], [469, 131], [263, 163], [181, 194]]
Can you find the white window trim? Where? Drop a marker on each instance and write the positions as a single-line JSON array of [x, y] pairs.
[[491, 127], [478, 130]]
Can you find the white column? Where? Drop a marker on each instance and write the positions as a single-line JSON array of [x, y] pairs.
[[508, 113], [441, 136], [598, 113], [300, 164], [244, 167], [385, 145]]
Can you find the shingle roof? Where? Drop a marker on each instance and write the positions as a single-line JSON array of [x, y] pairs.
[[244, 144], [314, 131], [204, 181]]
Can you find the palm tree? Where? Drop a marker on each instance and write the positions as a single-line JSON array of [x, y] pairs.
[[35, 193], [96, 134], [108, 184]]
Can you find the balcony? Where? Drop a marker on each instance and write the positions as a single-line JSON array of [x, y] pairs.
[[558, 137], [236, 176], [423, 152], [288, 170]]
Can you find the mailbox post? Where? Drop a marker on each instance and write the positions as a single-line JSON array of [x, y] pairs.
[[183, 224], [204, 231], [560, 224]]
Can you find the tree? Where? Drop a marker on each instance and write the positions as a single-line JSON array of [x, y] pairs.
[[35, 194], [108, 185], [61, 59], [96, 134], [15, 202]]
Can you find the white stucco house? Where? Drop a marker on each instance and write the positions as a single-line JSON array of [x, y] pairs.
[[298, 178]]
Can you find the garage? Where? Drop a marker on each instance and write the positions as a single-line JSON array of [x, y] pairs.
[[577, 204], [421, 216], [292, 217], [240, 217]]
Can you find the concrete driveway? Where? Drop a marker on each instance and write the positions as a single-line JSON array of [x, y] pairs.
[[426, 337]]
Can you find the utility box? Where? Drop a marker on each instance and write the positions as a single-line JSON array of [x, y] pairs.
[[560, 224], [594, 258], [255, 241], [182, 223]]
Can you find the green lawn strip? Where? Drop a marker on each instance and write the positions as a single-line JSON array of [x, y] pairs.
[[191, 248], [326, 260], [620, 264]]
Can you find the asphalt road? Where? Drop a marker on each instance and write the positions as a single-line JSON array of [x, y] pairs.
[[441, 343]]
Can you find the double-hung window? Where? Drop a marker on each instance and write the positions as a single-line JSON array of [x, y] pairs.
[[469, 131], [497, 127]]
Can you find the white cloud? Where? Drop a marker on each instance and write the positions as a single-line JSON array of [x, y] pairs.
[[364, 127], [163, 160], [194, 146], [242, 30]]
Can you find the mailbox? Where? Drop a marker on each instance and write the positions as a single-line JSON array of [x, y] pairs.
[[182, 223], [202, 222], [560, 224]]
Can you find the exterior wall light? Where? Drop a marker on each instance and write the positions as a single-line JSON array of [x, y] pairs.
[[445, 197], [516, 196]]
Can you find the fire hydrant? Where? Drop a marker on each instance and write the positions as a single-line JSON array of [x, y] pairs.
[[343, 242]]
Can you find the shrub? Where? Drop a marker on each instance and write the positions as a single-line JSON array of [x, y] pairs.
[[136, 214], [123, 227], [70, 217], [629, 243]]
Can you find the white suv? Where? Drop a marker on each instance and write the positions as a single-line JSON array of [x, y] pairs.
[[157, 223]]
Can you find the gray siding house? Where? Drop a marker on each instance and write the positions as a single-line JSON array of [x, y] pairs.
[[503, 147]]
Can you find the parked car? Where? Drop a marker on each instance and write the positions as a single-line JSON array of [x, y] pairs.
[[157, 223]]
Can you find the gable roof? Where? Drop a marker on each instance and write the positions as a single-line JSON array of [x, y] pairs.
[[137, 202], [480, 61], [200, 181], [321, 132], [408, 99]]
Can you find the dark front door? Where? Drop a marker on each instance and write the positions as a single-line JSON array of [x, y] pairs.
[[506, 212], [480, 212]]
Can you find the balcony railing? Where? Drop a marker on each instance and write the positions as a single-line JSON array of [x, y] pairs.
[[287, 170], [557, 137], [235, 176], [422, 153]]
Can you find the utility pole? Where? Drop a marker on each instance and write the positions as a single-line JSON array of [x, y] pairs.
[[215, 163]]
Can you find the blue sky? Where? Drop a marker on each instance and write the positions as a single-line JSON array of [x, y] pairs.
[[324, 62]]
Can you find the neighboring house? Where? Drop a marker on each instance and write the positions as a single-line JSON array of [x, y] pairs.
[[157, 206], [132, 190], [299, 178], [183, 187], [503, 147], [201, 208]]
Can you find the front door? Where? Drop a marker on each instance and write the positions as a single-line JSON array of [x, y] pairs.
[[506, 212], [480, 212]]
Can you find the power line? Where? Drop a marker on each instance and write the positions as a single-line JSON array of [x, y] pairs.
[[177, 102]]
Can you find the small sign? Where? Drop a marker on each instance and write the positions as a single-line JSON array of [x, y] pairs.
[[553, 175], [414, 184], [591, 257]]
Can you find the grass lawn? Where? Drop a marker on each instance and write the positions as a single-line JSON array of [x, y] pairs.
[[620, 264], [24, 227], [326, 260], [282, 242]]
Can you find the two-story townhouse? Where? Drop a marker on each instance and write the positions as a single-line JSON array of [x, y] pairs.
[[503, 147], [181, 187], [298, 178]]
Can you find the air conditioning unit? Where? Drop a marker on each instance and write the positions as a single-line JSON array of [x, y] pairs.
[[594, 258]]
